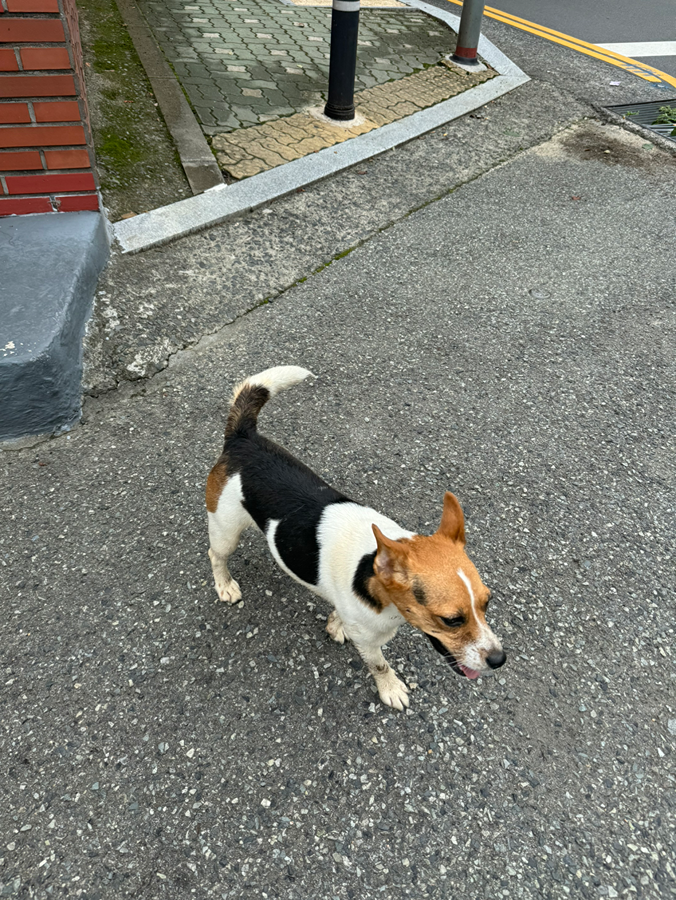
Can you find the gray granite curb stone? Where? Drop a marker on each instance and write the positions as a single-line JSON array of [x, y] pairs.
[[167, 223], [49, 265]]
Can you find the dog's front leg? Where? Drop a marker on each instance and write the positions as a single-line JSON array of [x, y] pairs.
[[392, 690]]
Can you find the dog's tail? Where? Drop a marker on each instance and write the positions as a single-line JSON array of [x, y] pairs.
[[253, 393]]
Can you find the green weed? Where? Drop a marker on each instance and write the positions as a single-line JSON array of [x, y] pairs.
[[667, 116]]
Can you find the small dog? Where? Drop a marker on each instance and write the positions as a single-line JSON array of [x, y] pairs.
[[374, 573]]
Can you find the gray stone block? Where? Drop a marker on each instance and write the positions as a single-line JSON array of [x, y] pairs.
[[49, 266]]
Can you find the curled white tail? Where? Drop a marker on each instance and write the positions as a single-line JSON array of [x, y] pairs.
[[276, 379], [252, 394]]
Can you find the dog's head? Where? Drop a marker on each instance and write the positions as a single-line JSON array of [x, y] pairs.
[[436, 588]]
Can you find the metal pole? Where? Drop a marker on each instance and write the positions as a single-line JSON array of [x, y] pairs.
[[469, 33], [343, 60]]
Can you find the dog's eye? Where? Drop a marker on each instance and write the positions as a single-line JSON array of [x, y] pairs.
[[456, 622]]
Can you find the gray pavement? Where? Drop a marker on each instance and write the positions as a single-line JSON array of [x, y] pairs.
[[504, 327], [252, 63], [211, 278]]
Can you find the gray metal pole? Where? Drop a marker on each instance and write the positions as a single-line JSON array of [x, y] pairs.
[[469, 33]]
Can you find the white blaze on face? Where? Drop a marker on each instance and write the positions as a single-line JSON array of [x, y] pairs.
[[486, 639]]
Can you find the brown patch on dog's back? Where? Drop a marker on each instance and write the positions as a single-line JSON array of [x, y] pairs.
[[216, 481]]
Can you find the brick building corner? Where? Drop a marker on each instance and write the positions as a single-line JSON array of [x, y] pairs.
[[46, 152]]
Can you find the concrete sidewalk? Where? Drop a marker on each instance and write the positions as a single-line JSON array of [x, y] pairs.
[[287, 150], [488, 310]]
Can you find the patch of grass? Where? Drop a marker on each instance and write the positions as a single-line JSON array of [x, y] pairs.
[[137, 162], [118, 150]]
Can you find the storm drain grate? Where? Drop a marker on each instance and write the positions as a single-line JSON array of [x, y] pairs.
[[644, 114]]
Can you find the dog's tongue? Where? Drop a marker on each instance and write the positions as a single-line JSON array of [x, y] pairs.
[[470, 673]]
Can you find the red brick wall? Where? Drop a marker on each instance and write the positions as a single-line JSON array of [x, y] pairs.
[[46, 156]]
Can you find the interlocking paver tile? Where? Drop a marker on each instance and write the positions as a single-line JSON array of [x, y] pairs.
[[253, 70], [252, 150], [272, 40]]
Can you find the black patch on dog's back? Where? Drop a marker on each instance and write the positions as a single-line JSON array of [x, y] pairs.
[[361, 578], [278, 487]]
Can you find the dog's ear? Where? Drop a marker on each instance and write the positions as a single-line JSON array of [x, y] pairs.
[[390, 563], [452, 520]]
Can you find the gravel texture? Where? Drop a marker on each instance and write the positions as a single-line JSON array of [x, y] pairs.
[[514, 342]]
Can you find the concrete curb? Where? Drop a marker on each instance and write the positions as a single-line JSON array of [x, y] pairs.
[[198, 161], [44, 306], [223, 202]]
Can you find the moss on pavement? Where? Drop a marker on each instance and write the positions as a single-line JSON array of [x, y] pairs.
[[137, 162]]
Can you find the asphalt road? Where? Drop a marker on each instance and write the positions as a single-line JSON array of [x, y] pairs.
[[490, 310], [512, 341], [605, 21]]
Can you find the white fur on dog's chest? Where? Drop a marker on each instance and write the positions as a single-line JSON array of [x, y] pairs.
[[372, 626], [345, 535]]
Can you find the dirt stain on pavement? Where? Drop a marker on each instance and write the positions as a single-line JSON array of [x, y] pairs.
[[613, 147]]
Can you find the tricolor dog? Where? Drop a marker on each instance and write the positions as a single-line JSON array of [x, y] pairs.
[[375, 574]]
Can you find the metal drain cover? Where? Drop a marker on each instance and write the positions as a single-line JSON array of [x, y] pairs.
[[644, 114]]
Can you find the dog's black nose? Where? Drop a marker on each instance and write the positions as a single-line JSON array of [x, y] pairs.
[[496, 659]]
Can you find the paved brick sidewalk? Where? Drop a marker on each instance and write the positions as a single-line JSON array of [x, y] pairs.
[[246, 62], [252, 150]]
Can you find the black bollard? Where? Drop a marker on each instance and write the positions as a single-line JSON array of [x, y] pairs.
[[343, 61]]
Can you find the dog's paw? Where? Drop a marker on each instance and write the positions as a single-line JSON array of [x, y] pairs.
[[228, 591], [334, 627], [392, 690]]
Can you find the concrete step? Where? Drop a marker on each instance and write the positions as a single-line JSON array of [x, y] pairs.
[[49, 266]]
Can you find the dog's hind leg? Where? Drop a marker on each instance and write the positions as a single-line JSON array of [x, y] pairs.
[[227, 520]]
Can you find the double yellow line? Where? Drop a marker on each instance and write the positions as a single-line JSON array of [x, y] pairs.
[[642, 70]]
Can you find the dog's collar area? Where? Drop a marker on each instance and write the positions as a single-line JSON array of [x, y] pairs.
[[457, 667]]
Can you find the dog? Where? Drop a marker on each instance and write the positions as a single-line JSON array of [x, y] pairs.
[[375, 574]]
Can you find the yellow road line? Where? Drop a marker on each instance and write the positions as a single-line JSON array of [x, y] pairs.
[[634, 67]]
